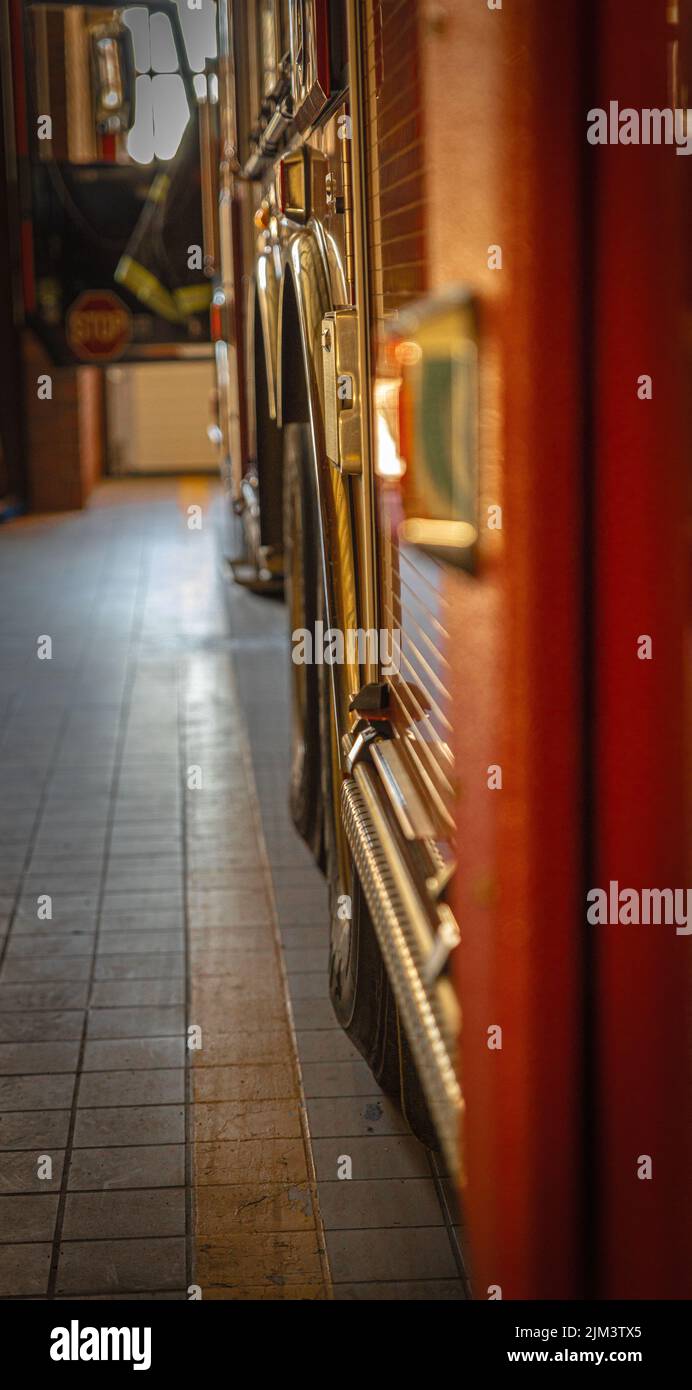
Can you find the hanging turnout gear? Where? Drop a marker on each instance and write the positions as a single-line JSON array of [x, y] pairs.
[[163, 263]]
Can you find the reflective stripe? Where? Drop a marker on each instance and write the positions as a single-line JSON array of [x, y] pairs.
[[192, 299], [147, 288], [159, 188]]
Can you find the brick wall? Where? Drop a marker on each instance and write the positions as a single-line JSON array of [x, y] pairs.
[[64, 435]]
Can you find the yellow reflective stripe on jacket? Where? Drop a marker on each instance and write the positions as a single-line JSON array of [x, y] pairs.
[[192, 299], [159, 188], [147, 288]]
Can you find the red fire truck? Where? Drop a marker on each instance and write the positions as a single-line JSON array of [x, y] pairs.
[[434, 303]]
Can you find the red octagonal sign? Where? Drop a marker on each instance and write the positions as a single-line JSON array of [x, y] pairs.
[[98, 326]]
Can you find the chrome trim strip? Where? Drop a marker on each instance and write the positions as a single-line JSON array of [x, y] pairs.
[[268, 290], [448, 937], [408, 806], [430, 1015], [368, 552], [361, 744]]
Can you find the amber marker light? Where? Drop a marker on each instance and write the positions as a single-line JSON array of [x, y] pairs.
[[216, 316], [388, 461], [262, 217], [408, 353], [431, 531]]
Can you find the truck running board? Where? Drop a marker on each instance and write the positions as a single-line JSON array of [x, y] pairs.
[[429, 1013]]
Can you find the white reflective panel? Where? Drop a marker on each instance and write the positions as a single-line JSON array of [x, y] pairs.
[[199, 28], [140, 140], [171, 114], [163, 53], [137, 21]]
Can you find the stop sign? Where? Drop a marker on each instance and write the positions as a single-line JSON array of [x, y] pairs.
[[98, 326]]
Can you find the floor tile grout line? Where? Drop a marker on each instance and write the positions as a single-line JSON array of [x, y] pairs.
[[261, 1289], [125, 702], [199, 1067], [227, 1234], [214, 1187], [77, 1008], [101, 1240], [227, 1100], [167, 1186], [159, 1143], [104, 1191], [68, 1071], [89, 1293], [171, 1294]]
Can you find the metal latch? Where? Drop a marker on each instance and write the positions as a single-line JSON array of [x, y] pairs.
[[361, 746], [447, 939], [342, 406]]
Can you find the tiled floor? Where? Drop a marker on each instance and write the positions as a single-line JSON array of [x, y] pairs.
[[154, 1136]]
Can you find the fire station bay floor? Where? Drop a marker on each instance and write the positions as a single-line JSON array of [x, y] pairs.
[[136, 904]]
